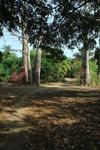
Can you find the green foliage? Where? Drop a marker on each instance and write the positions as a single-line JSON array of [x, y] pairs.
[[54, 54], [75, 70], [1, 70], [75, 66], [53, 64], [97, 57], [73, 25], [32, 57], [69, 60], [93, 72], [53, 71], [9, 64], [46, 70], [69, 26], [4, 73], [32, 54], [1, 56]]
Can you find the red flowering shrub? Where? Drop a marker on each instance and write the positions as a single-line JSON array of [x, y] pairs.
[[20, 78]]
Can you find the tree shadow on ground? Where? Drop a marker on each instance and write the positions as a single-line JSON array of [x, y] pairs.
[[54, 119], [64, 119]]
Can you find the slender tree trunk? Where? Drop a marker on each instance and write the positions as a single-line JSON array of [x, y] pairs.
[[24, 39], [24, 49]]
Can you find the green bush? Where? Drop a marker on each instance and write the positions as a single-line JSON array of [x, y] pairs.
[[93, 72], [9, 64], [53, 71], [4, 74], [74, 69], [52, 66]]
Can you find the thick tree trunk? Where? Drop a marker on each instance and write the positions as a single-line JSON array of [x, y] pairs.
[[26, 49], [37, 65]]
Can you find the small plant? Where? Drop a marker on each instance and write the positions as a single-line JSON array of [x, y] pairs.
[[20, 78]]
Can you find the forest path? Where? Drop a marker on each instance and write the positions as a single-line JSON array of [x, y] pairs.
[[23, 112]]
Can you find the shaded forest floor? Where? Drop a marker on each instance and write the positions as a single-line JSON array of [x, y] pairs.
[[50, 117]]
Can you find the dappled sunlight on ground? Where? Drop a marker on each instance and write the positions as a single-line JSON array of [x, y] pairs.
[[54, 118]]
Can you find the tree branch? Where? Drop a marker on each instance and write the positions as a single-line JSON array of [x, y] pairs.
[[91, 56], [14, 34]]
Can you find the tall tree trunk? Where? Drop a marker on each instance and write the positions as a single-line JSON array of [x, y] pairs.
[[37, 64], [24, 40], [85, 73], [87, 68], [30, 80], [24, 49]]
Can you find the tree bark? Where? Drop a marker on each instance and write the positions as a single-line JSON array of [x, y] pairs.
[[37, 65], [87, 68], [85, 73], [83, 70], [30, 80], [24, 48]]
